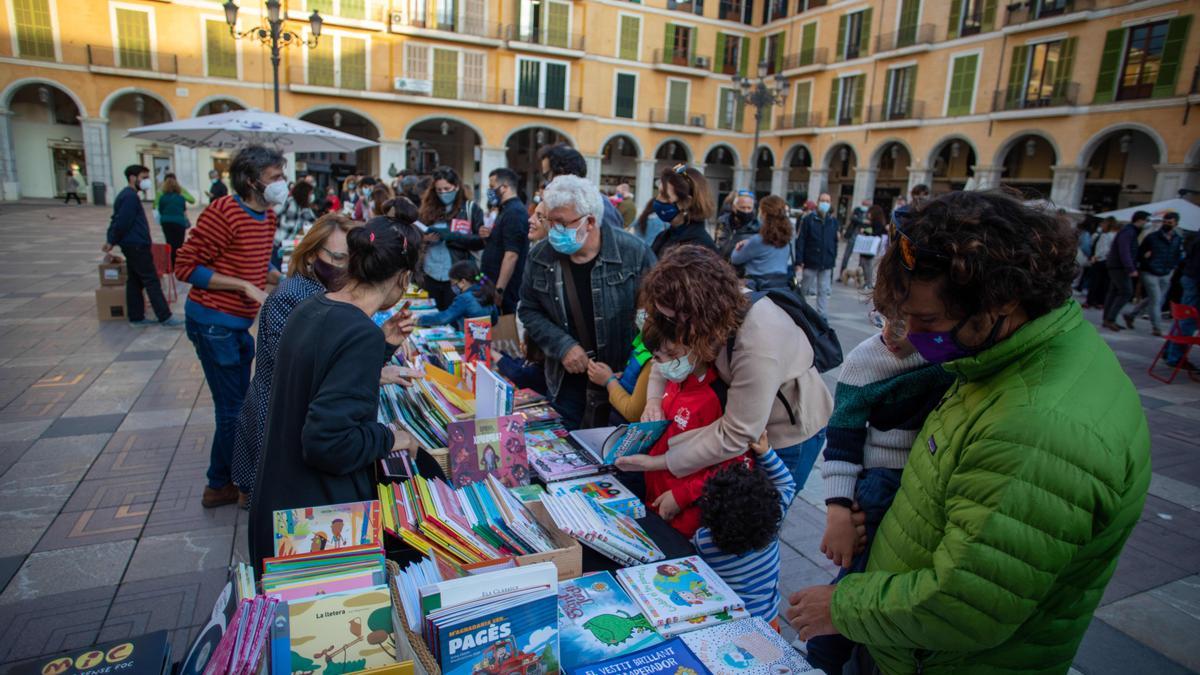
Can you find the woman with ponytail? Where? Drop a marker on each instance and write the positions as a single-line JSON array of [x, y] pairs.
[[323, 438], [474, 295]]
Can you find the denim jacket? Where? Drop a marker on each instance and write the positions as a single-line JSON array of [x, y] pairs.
[[620, 265]]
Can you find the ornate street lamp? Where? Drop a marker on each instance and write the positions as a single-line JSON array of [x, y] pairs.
[[765, 93], [272, 33]]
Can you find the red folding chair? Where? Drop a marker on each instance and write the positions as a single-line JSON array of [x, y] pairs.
[[1179, 313], [165, 269]]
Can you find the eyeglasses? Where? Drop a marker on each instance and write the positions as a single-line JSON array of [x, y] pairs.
[[336, 256], [913, 255], [563, 226]]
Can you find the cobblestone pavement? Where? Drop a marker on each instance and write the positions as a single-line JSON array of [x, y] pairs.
[[104, 436]]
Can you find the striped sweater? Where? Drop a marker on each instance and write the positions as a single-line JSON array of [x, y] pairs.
[[880, 403], [232, 239], [754, 576]]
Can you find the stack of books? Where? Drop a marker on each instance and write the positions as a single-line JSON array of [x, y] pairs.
[[244, 643], [681, 595], [597, 620], [554, 458], [611, 533], [746, 647], [605, 489]]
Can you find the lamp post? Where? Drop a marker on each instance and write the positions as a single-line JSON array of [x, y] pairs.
[[764, 93], [272, 33]]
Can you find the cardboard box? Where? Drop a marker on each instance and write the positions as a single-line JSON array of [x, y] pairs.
[[110, 303], [568, 557], [112, 274]]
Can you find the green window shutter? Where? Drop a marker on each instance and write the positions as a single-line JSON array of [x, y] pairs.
[[1110, 63], [764, 124], [724, 111], [630, 28], [353, 9], [779, 53], [744, 50], [956, 12], [320, 63], [808, 44], [834, 90], [988, 22], [35, 36], [354, 63], [133, 39], [962, 85], [668, 42], [558, 22], [856, 112], [1172, 54], [1016, 77], [740, 116], [556, 86], [803, 96], [445, 72], [912, 90], [909, 10], [323, 6], [864, 37], [1066, 64], [719, 58], [677, 102], [762, 54], [692, 40], [626, 88], [530, 83], [220, 50], [841, 39]]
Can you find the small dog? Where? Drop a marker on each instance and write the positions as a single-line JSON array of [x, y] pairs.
[[855, 273]]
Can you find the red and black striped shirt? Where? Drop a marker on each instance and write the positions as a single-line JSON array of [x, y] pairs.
[[234, 240]]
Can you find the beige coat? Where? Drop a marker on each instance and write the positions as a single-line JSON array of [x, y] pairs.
[[771, 354]]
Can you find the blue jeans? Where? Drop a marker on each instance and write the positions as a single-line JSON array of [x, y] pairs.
[[874, 492], [225, 355], [800, 458], [1191, 296]]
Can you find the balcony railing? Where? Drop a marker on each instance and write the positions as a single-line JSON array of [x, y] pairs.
[[906, 37], [1032, 10], [908, 110], [681, 58], [571, 104], [797, 120], [1066, 93], [806, 5], [723, 68], [545, 37], [844, 118], [730, 11], [469, 25], [806, 57], [851, 52], [678, 117], [972, 24], [690, 6], [160, 63]]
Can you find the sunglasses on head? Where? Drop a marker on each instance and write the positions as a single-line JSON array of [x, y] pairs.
[[913, 255]]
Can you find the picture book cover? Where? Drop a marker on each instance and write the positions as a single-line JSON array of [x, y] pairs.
[[678, 590], [529, 493], [355, 526], [667, 658], [607, 444], [518, 639], [478, 339], [555, 459], [481, 447], [597, 620], [333, 634], [747, 647], [148, 654], [460, 226], [605, 489]]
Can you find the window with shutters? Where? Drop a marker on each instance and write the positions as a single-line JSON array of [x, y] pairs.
[[774, 9], [445, 73], [729, 109], [677, 101], [35, 32], [853, 32], [352, 63], [542, 84], [346, 9], [133, 38], [690, 6], [679, 48], [1047, 73], [630, 42], [320, 63], [1142, 60], [910, 11], [220, 50], [1046, 8], [452, 73], [447, 15], [900, 87], [624, 102], [802, 106], [808, 44], [474, 68], [323, 6], [971, 18], [729, 56], [773, 53], [558, 25], [416, 61], [846, 108], [961, 97]]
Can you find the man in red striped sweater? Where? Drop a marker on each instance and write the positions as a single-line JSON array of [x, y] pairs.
[[225, 259]]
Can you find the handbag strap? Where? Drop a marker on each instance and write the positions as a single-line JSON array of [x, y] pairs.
[[581, 323]]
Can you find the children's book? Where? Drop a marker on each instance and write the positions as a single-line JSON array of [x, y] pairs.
[[554, 458], [324, 531], [505, 636], [523, 398], [747, 647], [493, 394], [607, 444], [460, 226], [615, 535], [478, 339], [677, 590], [341, 633], [148, 654], [667, 658], [605, 489], [528, 493], [706, 621], [483, 447], [597, 620]]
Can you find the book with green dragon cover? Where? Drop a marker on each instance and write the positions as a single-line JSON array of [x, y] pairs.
[[597, 621]]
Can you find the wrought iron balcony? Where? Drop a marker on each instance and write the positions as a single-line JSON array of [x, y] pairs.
[[679, 117], [1032, 10], [896, 111], [806, 57], [545, 37], [157, 65], [1019, 98], [907, 36]]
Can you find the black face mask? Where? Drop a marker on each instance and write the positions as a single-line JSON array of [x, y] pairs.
[[330, 276], [743, 218]]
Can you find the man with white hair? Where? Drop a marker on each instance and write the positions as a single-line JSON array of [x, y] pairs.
[[584, 276], [737, 224]]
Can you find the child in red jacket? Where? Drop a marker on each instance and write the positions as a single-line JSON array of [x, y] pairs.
[[689, 402]]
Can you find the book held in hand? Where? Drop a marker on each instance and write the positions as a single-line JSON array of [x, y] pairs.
[[747, 647], [608, 444], [668, 658], [482, 447], [477, 335], [605, 489], [597, 620], [677, 590]]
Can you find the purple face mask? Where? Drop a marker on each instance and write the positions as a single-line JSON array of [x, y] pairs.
[[942, 347]]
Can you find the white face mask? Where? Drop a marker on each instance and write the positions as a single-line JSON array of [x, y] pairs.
[[146, 185], [676, 370], [277, 192]]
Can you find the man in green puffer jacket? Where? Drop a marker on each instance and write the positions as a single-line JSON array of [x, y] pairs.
[[1023, 484]]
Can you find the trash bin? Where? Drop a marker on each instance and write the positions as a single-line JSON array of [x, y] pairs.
[[98, 194]]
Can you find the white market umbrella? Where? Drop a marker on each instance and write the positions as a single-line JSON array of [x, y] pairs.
[[1189, 213], [238, 128]]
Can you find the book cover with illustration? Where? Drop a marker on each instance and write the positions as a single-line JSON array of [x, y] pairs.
[[605, 489], [333, 634], [597, 620], [488, 446], [522, 638], [555, 459], [608, 444], [148, 654], [477, 334], [336, 528], [667, 658], [677, 590], [747, 647]]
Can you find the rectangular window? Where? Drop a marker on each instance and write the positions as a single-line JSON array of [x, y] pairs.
[[960, 100], [323, 6], [474, 69], [558, 25], [447, 15], [542, 84], [690, 6], [445, 73], [845, 114], [529, 87], [220, 49], [730, 10], [133, 38], [354, 9], [803, 105], [727, 109], [774, 9], [35, 35], [1143, 57], [623, 106], [416, 61], [452, 73], [1041, 74], [1046, 8], [900, 93], [728, 54], [971, 22], [773, 53], [556, 86], [682, 49], [909, 11], [320, 63], [853, 32], [630, 41], [677, 99], [808, 44], [353, 63]]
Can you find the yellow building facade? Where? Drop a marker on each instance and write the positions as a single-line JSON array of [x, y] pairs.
[[1088, 102]]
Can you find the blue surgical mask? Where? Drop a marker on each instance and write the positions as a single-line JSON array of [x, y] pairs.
[[456, 289], [677, 370], [565, 240], [665, 210], [448, 197], [823, 207]]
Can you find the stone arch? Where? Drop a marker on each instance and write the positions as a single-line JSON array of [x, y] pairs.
[[113, 97], [827, 159], [1085, 152], [8, 92], [614, 136], [541, 125], [338, 108], [687, 149], [453, 118], [791, 153], [950, 138], [1007, 145], [218, 97], [877, 153], [758, 152], [737, 158]]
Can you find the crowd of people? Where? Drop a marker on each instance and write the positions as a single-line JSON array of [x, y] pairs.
[[985, 456]]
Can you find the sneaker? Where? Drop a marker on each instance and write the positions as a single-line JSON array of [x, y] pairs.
[[1128, 319], [220, 496], [171, 322], [144, 322]]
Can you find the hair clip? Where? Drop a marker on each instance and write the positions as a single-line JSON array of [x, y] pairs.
[[372, 237]]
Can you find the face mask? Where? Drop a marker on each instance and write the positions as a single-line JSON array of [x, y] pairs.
[[537, 199], [743, 218], [639, 319], [944, 346], [565, 241], [493, 197], [823, 207], [277, 192], [676, 370], [330, 276], [665, 210], [365, 192], [456, 290], [145, 185], [448, 197]]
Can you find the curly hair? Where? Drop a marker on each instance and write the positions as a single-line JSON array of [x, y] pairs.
[[696, 283], [741, 508], [996, 250], [776, 227]]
